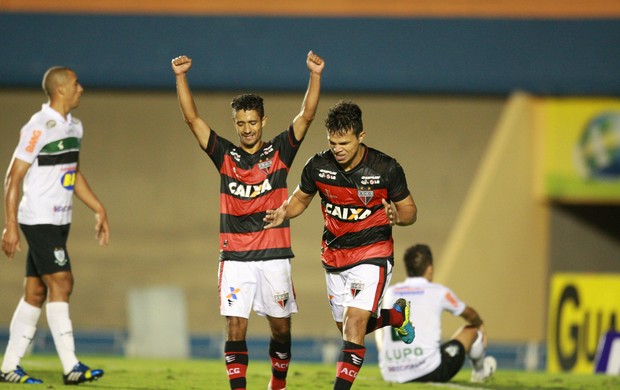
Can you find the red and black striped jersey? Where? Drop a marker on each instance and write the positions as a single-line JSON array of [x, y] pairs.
[[356, 229], [250, 184]]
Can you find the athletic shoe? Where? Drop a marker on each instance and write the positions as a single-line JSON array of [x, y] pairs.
[[406, 332], [489, 365], [270, 388], [18, 375], [80, 374]]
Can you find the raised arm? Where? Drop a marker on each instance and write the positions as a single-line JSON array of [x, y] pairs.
[[12, 184], [84, 193], [291, 208], [200, 128], [302, 121], [401, 213]]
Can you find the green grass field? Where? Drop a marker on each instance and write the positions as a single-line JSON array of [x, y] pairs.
[[145, 374]]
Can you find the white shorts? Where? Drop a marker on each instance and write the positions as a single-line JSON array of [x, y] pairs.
[[362, 286], [265, 286]]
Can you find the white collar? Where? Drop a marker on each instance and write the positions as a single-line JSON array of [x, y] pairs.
[[50, 111]]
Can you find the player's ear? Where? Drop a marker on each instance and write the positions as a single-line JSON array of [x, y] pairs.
[[263, 121], [361, 136]]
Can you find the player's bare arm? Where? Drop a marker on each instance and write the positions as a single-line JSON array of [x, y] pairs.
[[12, 184], [302, 121], [84, 193], [200, 128], [402, 213], [472, 317], [294, 206]]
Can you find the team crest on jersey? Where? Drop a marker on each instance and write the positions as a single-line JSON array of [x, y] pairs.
[[356, 288], [265, 166], [232, 297], [50, 124], [365, 194], [60, 256], [281, 299]]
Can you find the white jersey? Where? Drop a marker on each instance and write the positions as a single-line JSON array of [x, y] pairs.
[[400, 362], [51, 144]]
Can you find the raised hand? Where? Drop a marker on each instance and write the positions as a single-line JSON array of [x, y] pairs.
[[315, 63], [181, 64]]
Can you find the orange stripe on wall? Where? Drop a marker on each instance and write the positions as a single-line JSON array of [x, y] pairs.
[[340, 8]]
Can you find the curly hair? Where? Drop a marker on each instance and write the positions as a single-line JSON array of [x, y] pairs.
[[343, 117], [248, 102]]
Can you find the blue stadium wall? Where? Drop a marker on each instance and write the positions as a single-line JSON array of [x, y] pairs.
[[424, 55]]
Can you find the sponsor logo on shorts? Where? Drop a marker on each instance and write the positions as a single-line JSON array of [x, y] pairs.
[[60, 256], [451, 350], [281, 299], [232, 297], [356, 288]]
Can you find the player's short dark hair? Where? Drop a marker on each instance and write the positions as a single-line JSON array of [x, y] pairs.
[[417, 259], [344, 116], [248, 102]]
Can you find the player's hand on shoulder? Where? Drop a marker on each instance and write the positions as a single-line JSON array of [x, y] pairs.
[[181, 64]]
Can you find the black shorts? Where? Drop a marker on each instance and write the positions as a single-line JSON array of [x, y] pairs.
[[47, 249], [452, 359]]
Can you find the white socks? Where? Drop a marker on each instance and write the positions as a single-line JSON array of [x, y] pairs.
[[477, 352], [22, 329], [62, 332]]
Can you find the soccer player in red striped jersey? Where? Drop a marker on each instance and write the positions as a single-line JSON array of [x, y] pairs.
[[363, 195], [254, 268]]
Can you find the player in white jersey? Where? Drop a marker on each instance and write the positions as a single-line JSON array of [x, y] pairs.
[[46, 163], [426, 359]]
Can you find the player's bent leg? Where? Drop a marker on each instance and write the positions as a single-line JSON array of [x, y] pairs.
[[406, 331]]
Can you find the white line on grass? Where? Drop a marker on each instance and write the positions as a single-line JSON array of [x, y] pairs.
[[455, 386]]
